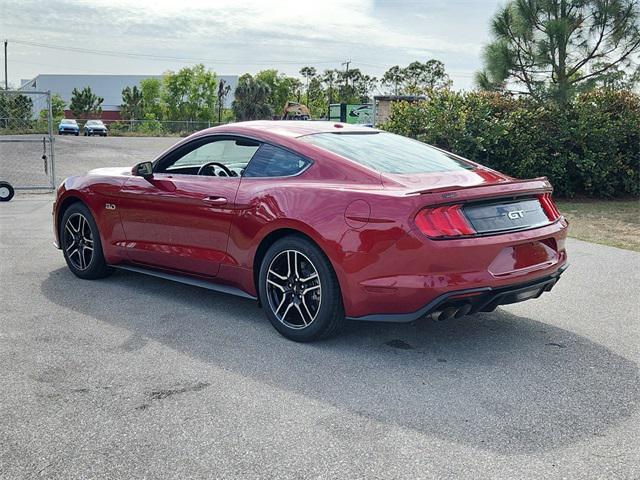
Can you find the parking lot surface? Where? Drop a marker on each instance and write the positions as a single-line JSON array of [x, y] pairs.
[[134, 377]]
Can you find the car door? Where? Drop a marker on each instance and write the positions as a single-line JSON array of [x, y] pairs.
[[179, 219]]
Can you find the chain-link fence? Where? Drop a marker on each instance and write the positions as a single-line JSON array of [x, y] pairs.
[[152, 127], [26, 140]]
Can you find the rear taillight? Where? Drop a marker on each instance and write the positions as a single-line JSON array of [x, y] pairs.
[[447, 221], [549, 207]]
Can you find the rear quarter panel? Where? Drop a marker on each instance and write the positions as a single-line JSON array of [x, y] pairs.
[[353, 239]]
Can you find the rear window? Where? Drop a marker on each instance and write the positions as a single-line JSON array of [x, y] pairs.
[[388, 153], [270, 161]]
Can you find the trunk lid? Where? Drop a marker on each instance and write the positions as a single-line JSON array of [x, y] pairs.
[[464, 185], [490, 202], [449, 180]]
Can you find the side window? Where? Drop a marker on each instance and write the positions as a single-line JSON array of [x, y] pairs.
[[270, 161], [232, 153], [209, 152]]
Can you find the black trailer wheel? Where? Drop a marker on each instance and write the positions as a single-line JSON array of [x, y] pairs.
[[6, 192]]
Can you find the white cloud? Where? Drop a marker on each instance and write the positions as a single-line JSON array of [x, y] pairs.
[[350, 22], [246, 35]]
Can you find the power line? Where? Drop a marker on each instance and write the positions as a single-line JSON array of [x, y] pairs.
[[119, 54]]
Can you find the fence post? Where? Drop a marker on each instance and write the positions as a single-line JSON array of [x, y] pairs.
[[51, 140]]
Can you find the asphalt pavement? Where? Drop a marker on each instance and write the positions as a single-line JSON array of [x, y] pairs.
[[139, 377]]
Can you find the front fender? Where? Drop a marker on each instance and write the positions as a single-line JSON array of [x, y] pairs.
[[95, 192]]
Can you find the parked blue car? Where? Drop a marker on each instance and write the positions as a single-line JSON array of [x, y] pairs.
[[68, 126], [95, 127]]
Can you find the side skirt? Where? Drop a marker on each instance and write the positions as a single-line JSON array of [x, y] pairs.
[[196, 282]]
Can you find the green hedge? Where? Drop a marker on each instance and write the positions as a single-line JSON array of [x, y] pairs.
[[591, 148]]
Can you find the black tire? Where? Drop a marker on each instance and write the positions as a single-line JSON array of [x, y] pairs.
[[329, 314], [6, 192], [95, 265], [77, 133]]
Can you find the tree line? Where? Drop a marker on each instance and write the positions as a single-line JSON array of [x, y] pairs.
[[547, 50], [197, 94]]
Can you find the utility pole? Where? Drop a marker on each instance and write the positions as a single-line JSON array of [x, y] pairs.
[[6, 79], [346, 72]]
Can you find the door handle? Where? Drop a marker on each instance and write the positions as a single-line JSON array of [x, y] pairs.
[[215, 200]]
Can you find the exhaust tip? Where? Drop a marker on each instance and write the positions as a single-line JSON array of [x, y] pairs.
[[464, 310], [447, 314]]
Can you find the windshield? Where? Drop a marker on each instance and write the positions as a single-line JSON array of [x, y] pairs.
[[68, 122], [95, 122], [388, 153]]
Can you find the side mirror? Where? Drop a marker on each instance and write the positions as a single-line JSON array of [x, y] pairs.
[[143, 169]]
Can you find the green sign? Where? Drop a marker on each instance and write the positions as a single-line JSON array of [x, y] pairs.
[[334, 112], [357, 113], [360, 113]]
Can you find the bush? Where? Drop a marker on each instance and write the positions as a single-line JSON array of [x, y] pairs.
[[150, 126], [591, 148], [120, 128]]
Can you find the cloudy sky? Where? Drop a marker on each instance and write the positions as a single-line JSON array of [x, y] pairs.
[[237, 36]]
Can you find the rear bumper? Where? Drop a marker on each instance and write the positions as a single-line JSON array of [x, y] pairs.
[[482, 299], [405, 274]]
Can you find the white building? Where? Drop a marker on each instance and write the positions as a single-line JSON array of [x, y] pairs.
[[108, 87]]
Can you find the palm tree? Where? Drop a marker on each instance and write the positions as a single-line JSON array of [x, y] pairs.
[[329, 78], [251, 99], [308, 73], [223, 91]]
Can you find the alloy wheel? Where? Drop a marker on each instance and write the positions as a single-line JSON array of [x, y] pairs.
[[293, 289], [78, 241]]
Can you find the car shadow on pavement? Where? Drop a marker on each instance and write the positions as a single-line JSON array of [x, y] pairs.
[[497, 381]]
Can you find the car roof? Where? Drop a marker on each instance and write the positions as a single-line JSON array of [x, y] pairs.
[[289, 128]]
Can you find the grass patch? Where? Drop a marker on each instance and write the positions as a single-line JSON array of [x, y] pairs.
[[609, 222]]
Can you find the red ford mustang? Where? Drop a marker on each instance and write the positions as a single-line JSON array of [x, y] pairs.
[[320, 222]]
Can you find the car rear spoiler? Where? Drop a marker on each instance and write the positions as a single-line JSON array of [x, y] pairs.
[[508, 188]]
